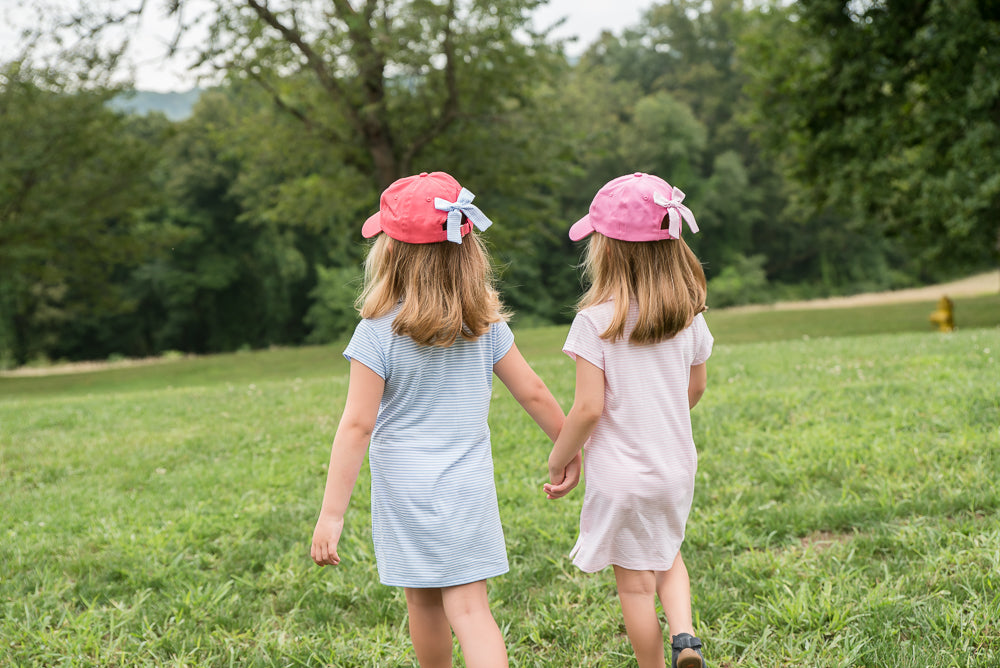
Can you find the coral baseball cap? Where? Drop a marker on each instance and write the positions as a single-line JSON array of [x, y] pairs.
[[635, 207], [425, 209]]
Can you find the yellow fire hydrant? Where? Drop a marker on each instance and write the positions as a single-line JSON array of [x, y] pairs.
[[944, 316]]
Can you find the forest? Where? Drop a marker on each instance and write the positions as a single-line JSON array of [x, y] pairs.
[[827, 147]]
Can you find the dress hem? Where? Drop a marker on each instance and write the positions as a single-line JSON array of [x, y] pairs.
[[445, 583], [587, 568]]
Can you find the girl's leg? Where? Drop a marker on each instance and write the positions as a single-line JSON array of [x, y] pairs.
[[429, 629], [637, 592], [468, 610], [674, 589]]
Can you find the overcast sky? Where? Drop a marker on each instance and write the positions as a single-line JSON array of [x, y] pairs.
[[587, 18], [584, 19]]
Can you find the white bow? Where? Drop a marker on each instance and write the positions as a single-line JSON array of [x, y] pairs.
[[676, 211]]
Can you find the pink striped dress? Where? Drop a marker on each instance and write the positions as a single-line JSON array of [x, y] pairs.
[[640, 462]]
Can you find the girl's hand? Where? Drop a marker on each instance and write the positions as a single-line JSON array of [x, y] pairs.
[[326, 536], [562, 482]]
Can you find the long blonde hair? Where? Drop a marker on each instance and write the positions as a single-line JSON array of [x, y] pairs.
[[664, 277], [446, 289]]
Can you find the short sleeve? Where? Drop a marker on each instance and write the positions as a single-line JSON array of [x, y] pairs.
[[584, 341], [703, 340], [503, 339], [365, 348]]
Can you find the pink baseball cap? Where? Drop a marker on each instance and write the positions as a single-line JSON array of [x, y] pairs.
[[425, 209], [635, 207]]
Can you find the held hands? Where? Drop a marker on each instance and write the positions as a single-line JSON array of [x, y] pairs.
[[562, 481], [326, 535]]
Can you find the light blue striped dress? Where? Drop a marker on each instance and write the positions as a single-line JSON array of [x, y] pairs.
[[435, 519]]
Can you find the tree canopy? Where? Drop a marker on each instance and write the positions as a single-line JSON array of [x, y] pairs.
[[889, 112], [74, 181]]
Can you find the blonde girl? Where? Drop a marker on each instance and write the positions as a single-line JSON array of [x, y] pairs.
[[640, 343], [422, 360]]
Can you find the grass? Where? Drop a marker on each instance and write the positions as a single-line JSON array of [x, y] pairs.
[[748, 326], [845, 510]]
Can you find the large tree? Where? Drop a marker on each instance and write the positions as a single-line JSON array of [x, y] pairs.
[[389, 77], [890, 111], [265, 197]]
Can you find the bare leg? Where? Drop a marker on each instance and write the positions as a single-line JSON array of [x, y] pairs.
[[674, 589], [429, 629], [637, 592], [468, 610]]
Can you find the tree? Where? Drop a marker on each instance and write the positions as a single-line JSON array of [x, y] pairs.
[[360, 93], [889, 111], [73, 176], [236, 273], [389, 76], [401, 87], [686, 124]]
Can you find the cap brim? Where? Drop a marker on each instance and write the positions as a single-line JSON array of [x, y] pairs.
[[372, 226], [581, 229]]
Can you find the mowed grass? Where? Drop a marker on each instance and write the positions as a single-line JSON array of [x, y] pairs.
[[749, 326], [845, 511]]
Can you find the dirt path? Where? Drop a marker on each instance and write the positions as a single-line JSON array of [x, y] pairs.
[[982, 284], [82, 367]]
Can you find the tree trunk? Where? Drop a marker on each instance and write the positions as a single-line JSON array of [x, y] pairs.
[[386, 165]]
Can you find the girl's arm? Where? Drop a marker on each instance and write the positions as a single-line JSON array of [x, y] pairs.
[[697, 383], [529, 391], [588, 404], [348, 452]]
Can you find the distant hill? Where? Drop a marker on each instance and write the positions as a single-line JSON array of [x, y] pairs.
[[175, 106]]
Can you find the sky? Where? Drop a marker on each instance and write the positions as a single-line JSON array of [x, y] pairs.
[[585, 19], [588, 18]]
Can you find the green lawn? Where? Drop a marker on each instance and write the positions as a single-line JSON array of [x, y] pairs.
[[741, 326], [845, 511]]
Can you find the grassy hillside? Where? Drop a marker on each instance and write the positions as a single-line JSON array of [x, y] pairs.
[[748, 326], [845, 511]]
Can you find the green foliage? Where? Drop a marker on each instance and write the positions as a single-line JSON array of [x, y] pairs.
[[686, 124], [74, 178], [845, 514], [886, 112], [665, 138], [240, 263], [332, 314], [430, 89], [383, 80], [742, 281], [238, 227]]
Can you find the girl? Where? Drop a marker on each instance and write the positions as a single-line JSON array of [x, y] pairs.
[[422, 362], [640, 345]]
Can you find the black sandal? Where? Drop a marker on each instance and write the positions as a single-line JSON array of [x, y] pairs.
[[687, 651]]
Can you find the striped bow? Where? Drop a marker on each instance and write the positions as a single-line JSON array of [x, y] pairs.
[[463, 205]]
